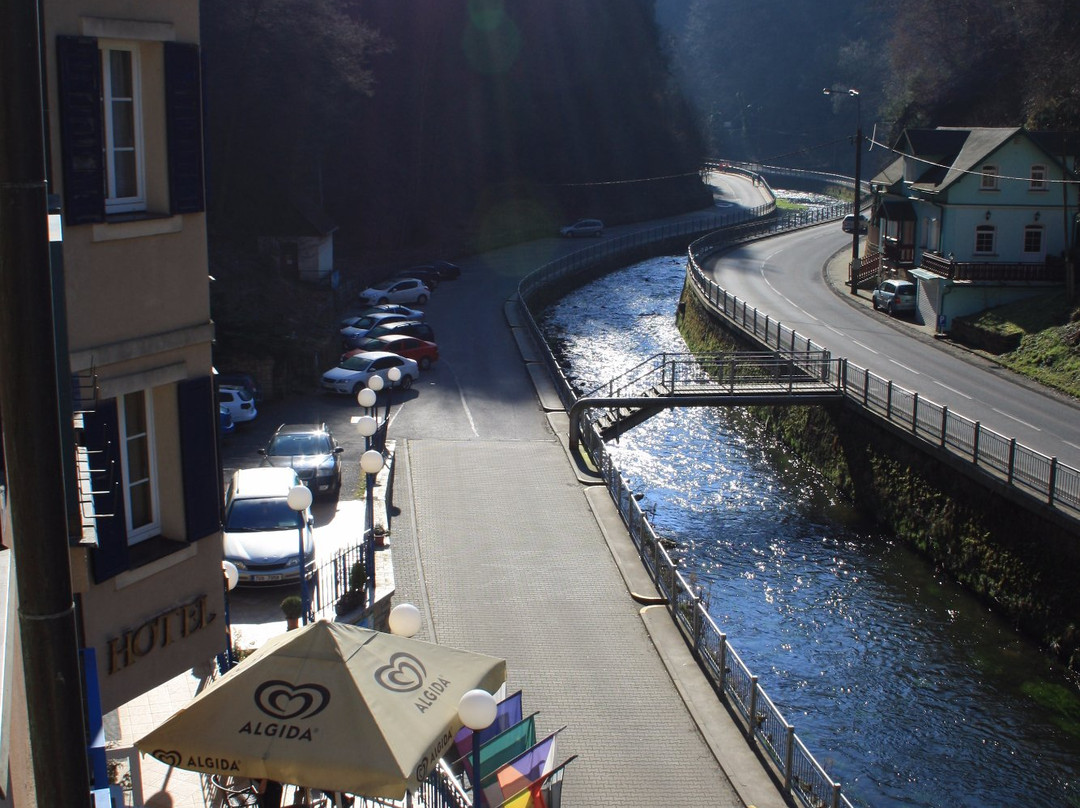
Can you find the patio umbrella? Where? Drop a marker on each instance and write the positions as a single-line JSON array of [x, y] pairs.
[[330, 706]]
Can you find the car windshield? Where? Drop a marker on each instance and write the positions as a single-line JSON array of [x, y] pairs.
[[271, 513], [299, 445], [239, 392], [355, 363]]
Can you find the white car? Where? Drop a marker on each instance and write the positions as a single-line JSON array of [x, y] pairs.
[[238, 401], [262, 533], [396, 290], [352, 374]]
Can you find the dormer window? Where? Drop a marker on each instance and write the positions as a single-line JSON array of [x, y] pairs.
[[989, 178], [1038, 178]]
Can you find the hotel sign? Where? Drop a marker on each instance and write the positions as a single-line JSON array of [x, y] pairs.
[[159, 631]]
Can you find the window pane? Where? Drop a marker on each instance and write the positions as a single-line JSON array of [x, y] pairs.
[[120, 84], [138, 459], [141, 504], [126, 180], [1032, 239], [135, 414], [123, 124]]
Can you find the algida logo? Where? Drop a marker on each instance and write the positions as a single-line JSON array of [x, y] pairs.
[[287, 703]]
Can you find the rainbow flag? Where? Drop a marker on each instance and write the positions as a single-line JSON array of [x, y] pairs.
[[545, 792], [511, 778]]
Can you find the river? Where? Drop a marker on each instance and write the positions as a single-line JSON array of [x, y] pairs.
[[904, 687]]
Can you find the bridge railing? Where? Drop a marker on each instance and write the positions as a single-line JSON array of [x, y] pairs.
[[1024, 469]]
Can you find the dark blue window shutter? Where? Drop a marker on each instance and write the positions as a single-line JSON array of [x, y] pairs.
[[101, 436], [183, 120], [199, 460], [81, 129]]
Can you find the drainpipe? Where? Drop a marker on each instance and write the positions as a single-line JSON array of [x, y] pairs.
[[32, 427]]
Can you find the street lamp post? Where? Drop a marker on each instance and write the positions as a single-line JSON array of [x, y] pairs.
[[477, 710], [299, 499], [853, 281], [231, 576]]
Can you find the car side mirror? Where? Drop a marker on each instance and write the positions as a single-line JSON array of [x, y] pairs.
[[339, 449], [262, 451]]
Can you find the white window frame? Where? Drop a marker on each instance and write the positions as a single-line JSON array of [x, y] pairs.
[[989, 179], [138, 533], [1035, 228], [113, 202], [1038, 178], [986, 228]]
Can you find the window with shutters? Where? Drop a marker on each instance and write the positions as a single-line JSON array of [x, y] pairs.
[[115, 159], [125, 171]]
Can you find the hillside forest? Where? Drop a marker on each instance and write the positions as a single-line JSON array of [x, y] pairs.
[[458, 125]]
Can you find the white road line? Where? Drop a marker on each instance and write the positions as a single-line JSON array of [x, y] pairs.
[[905, 367], [1070, 443], [864, 346], [952, 390], [1014, 418]]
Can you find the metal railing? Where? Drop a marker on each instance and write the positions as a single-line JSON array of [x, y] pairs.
[[1027, 471], [802, 776], [763, 723]]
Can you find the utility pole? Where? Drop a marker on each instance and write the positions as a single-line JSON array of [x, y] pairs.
[[29, 402]]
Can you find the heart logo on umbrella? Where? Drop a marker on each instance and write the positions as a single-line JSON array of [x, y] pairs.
[[169, 758], [402, 674], [284, 700]]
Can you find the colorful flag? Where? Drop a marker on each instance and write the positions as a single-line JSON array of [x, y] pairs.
[[545, 792], [526, 768], [508, 713]]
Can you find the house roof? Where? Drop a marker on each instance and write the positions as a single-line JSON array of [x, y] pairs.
[[952, 152]]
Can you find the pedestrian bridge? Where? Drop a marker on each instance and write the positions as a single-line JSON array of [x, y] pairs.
[[737, 379]]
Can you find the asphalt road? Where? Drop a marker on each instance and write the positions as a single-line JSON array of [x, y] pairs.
[[782, 276]]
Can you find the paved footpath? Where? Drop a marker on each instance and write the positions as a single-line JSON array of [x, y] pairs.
[[508, 553]]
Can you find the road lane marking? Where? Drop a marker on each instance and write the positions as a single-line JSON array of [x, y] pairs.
[[864, 346], [905, 367], [1018, 420], [952, 389]]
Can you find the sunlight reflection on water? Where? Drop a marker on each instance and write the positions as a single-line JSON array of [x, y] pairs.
[[907, 690]]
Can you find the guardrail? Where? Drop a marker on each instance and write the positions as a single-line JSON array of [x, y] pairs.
[[765, 727], [1029, 472]]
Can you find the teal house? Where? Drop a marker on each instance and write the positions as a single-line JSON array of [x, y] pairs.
[[976, 216]]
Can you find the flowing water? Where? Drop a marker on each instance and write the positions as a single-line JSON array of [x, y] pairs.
[[907, 690]]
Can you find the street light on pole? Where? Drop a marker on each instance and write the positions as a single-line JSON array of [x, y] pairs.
[[299, 499], [477, 710], [853, 93]]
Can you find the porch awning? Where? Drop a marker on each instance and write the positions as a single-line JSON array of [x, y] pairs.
[[897, 210]]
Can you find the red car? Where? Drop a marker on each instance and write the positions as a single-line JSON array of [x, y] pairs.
[[419, 350]]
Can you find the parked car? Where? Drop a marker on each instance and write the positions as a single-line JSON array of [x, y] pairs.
[[894, 296], [583, 227], [427, 274], [848, 225], [385, 308], [244, 380], [262, 534], [352, 334], [421, 351], [238, 401], [412, 328], [352, 374], [311, 451], [438, 270], [225, 421], [396, 290]]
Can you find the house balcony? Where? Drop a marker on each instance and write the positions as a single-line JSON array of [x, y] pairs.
[[1052, 270]]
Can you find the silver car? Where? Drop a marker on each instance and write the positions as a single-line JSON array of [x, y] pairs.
[[583, 227], [894, 296]]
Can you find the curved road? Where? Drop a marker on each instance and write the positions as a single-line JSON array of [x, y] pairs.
[[782, 276]]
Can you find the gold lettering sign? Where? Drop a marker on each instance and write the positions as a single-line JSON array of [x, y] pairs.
[[159, 631]]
